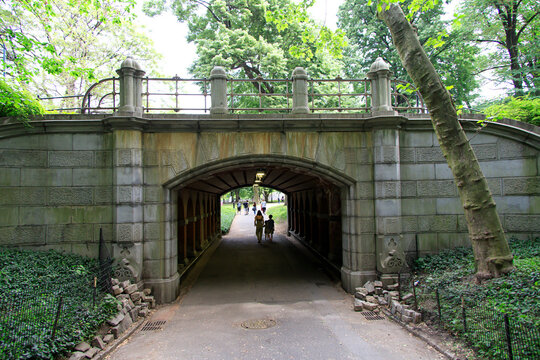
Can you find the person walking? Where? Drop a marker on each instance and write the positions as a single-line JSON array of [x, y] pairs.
[[263, 207], [246, 207], [269, 229], [259, 224], [254, 208], [239, 206]]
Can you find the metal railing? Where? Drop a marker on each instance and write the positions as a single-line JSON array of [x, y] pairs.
[[405, 98], [174, 95], [166, 95], [351, 95], [272, 95], [101, 97]]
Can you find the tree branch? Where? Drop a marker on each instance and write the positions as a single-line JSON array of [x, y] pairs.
[[493, 41], [527, 22]]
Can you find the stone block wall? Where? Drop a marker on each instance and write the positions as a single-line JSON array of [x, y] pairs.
[[55, 191], [432, 212]]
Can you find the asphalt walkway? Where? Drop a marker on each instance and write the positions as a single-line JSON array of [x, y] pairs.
[[267, 301]]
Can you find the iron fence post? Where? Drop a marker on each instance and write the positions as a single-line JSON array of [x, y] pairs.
[[94, 294], [399, 285], [508, 337], [58, 312], [438, 303], [414, 295], [463, 315]]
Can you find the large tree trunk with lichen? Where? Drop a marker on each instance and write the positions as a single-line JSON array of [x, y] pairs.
[[491, 252]]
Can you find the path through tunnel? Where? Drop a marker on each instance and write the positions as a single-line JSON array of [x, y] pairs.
[[314, 203]]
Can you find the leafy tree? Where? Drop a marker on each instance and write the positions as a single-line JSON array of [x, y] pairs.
[[246, 193], [266, 192], [369, 38], [57, 47], [491, 251], [256, 38], [510, 31], [19, 104]]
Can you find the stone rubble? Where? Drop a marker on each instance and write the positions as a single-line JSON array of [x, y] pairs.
[[135, 304], [372, 296]]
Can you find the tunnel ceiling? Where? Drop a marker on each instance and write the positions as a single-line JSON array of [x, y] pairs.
[[284, 179]]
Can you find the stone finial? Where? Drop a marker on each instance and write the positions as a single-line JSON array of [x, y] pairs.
[[218, 72], [379, 65], [218, 87], [300, 91], [130, 63]]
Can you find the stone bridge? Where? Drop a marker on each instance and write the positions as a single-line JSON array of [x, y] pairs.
[[367, 191]]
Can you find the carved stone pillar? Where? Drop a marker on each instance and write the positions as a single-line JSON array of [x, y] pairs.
[[381, 97], [218, 87], [300, 91], [130, 74]]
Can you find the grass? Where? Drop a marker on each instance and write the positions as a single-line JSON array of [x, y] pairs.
[[279, 213], [516, 294], [227, 217]]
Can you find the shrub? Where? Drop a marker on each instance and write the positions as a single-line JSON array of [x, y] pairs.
[[18, 104], [31, 285], [517, 108]]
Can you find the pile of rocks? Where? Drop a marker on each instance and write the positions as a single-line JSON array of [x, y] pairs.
[[373, 296], [134, 304]]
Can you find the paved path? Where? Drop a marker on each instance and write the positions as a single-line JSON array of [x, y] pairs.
[[277, 282]]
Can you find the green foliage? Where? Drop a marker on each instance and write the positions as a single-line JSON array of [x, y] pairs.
[[228, 213], [518, 108], [246, 193], [258, 38], [57, 47], [19, 104], [279, 213], [516, 294], [369, 38], [31, 284], [511, 29]]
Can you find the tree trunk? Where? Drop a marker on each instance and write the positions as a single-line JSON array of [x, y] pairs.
[[508, 19], [491, 251]]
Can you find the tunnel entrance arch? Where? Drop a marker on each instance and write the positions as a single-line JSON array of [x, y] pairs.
[[317, 201]]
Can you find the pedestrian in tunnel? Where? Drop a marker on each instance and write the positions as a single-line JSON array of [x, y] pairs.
[[263, 207], [246, 207], [259, 224], [269, 229], [254, 208], [239, 206]]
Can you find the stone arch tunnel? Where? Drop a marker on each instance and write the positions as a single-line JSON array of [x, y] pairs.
[[314, 201]]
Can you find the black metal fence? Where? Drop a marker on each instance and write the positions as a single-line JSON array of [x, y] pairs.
[[492, 334], [46, 317]]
